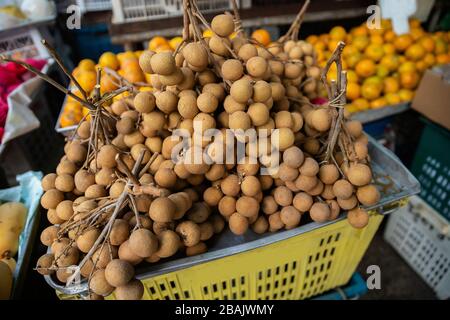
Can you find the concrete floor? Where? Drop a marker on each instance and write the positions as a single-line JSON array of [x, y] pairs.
[[398, 280]]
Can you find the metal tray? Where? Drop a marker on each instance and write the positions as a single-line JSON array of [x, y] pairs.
[[395, 183]]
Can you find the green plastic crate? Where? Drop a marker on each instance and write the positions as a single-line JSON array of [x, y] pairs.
[[431, 166]]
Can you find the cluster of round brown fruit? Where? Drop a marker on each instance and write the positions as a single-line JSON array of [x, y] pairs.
[[118, 197]]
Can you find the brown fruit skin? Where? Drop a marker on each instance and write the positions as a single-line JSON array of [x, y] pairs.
[[302, 202], [241, 90], [143, 243], [359, 174], [199, 248], [86, 240], [327, 192], [199, 212], [48, 235], [334, 209], [250, 186], [287, 173], [347, 204], [144, 102], [119, 232], [133, 290], [275, 222], [230, 185], [306, 183], [162, 210], [222, 25], [232, 69], [206, 231], [293, 157], [227, 206], [256, 66], [48, 181], [169, 242], [76, 152], [269, 205], [328, 173], [309, 168], [119, 272], [354, 128], [99, 285], [368, 195], [163, 63], [283, 196], [217, 222], [102, 256], [126, 254], [247, 206], [358, 218], [51, 198], [290, 216], [83, 179], [212, 196], [144, 61], [343, 189], [238, 224], [106, 157], [189, 233], [261, 225], [320, 212], [45, 262]]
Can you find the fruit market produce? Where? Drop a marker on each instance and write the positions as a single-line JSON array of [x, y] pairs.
[[383, 68], [141, 180], [11, 77]]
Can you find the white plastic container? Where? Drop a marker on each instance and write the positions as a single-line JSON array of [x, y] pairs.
[[422, 237]]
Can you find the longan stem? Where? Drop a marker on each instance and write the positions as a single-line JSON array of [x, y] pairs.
[[294, 29]]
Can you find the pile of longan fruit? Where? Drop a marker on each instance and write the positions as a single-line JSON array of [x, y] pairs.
[[222, 84]]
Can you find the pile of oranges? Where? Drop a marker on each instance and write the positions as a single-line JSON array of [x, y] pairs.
[[126, 64], [383, 68]]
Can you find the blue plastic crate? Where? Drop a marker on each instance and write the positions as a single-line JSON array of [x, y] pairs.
[[353, 290]]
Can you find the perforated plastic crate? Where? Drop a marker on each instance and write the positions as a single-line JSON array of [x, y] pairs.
[[422, 237], [22, 44], [431, 166], [290, 264], [142, 10], [94, 5]]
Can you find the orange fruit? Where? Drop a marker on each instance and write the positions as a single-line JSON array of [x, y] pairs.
[[415, 52], [365, 68], [312, 39], [163, 48], [157, 41], [414, 23], [376, 39], [332, 44], [409, 79], [234, 34], [351, 108], [429, 59], [378, 103], [390, 85], [443, 58], [324, 37], [370, 91], [389, 36], [427, 43], [407, 66], [353, 59], [349, 50], [402, 42], [405, 95], [108, 83], [421, 65], [440, 46], [338, 33], [72, 106], [374, 80], [134, 75], [175, 42], [109, 60], [386, 24], [353, 91], [392, 98], [208, 33], [319, 46], [262, 36], [86, 65], [416, 33], [389, 48], [360, 31], [382, 71], [390, 61], [352, 76], [360, 42], [361, 104], [374, 52], [87, 80]]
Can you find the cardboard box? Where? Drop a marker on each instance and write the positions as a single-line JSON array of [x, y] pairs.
[[432, 98]]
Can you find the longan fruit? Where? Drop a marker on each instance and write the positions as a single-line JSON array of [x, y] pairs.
[[106, 157], [182, 203], [159, 227], [293, 157], [172, 79], [250, 186], [66, 167], [283, 196], [227, 206], [116, 189], [354, 127], [120, 232], [317, 190], [212, 196], [103, 255], [232, 69], [99, 285], [238, 224], [361, 150], [95, 191], [230, 185], [256, 66], [320, 212], [368, 195], [105, 177], [64, 210], [195, 179], [218, 45], [169, 242], [166, 101], [358, 218], [247, 51], [230, 105], [51, 198], [292, 70], [359, 174], [259, 113], [206, 121], [342, 189], [290, 217], [119, 272], [187, 106], [53, 218], [327, 192], [302, 202], [306, 183], [189, 233], [206, 230], [241, 90], [269, 205], [196, 55], [199, 212], [44, 263], [76, 152], [215, 172], [217, 223], [67, 257], [83, 179], [275, 222], [309, 168], [119, 107], [287, 173], [261, 225], [285, 138], [133, 290], [162, 209], [86, 240], [348, 204], [166, 178], [222, 25], [334, 209], [329, 173], [248, 166], [154, 120], [163, 63], [321, 120], [216, 89], [48, 235], [199, 248], [143, 243], [311, 146], [247, 206], [207, 102], [283, 119], [48, 181], [144, 61], [126, 254], [261, 91], [144, 102]]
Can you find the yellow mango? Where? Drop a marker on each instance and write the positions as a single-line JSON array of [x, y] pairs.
[[13, 215]]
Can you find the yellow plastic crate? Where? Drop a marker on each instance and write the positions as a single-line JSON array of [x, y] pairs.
[[295, 268]]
